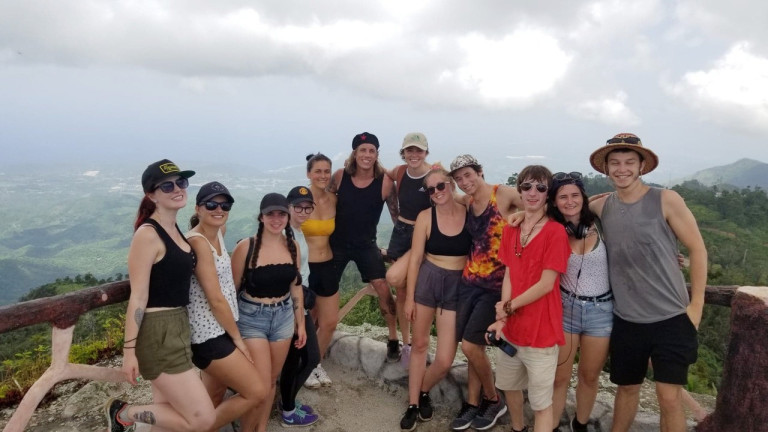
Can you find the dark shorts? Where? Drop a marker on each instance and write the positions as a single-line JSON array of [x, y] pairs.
[[671, 345], [476, 311], [400, 241], [322, 278], [367, 258], [162, 345], [212, 349], [437, 287]]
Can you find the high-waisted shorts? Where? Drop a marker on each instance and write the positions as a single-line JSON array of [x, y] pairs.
[[322, 278], [270, 321], [162, 345]]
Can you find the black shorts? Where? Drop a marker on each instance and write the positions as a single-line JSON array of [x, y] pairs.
[[476, 311], [322, 278], [671, 345], [400, 241], [367, 258], [212, 349]]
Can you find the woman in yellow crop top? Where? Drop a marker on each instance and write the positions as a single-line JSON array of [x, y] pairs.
[[322, 275]]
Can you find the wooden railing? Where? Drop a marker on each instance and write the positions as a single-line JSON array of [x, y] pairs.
[[63, 311]]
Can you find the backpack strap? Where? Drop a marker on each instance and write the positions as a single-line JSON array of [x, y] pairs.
[[399, 176]]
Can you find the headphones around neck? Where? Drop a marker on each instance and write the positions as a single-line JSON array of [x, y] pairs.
[[577, 231]]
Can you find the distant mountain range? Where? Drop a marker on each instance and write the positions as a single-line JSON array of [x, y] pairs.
[[740, 174]]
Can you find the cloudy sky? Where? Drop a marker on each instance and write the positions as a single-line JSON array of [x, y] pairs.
[[263, 83]]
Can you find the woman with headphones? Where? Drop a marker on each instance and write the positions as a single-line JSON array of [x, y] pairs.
[[587, 298]]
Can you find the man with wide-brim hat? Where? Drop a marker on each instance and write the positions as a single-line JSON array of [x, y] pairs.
[[654, 317]]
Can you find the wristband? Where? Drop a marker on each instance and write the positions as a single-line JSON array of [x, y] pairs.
[[508, 308]]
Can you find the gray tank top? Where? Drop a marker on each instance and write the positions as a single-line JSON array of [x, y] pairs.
[[642, 260]]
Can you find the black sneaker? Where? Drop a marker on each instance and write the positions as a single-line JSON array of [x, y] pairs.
[[111, 410], [393, 351], [425, 407], [408, 422], [578, 427], [464, 418], [489, 412]]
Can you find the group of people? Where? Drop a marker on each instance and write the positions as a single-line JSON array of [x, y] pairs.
[[536, 268]]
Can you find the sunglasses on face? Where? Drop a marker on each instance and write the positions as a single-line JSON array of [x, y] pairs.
[[300, 209], [211, 205], [567, 176], [627, 140], [525, 187], [438, 187], [167, 187]]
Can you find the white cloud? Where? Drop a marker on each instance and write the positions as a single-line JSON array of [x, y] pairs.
[[734, 90], [608, 110], [515, 68]]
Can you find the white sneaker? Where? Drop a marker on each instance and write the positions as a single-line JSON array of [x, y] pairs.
[[322, 376], [312, 381]]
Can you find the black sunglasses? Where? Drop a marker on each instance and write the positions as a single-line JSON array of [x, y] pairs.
[[211, 205], [541, 187], [301, 209], [567, 176], [167, 187], [438, 187], [627, 140]]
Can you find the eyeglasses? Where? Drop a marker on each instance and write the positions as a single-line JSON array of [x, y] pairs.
[[567, 176], [627, 140], [541, 187], [438, 187], [211, 205], [167, 187], [301, 209]]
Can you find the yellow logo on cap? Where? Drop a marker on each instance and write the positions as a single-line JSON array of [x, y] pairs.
[[168, 168], [303, 191]]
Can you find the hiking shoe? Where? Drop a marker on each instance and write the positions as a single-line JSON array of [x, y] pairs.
[[425, 407], [489, 412], [112, 411], [578, 427], [408, 422], [464, 418], [322, 376], [393, 351], [405, 356], [299, 418], [312, 382]]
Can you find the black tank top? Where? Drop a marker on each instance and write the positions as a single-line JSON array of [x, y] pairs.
[[170, 277], [357, 213], [441, 244], [271, 280], [412, 197]]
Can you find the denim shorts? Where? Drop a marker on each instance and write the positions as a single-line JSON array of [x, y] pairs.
[[273, 322], [589, 318]]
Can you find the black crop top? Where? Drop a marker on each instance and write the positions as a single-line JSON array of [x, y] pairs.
[[271, 280], [441, 244], [170, 277]]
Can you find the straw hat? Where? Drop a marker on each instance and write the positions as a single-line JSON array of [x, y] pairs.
[[626, 141]]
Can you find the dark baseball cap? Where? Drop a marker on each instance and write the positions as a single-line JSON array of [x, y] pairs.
[[273, 201], [212, 189], [300, 194], [159, 171], [365, 138]]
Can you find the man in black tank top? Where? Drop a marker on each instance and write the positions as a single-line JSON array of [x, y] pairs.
[[362, 188], [653, 315]]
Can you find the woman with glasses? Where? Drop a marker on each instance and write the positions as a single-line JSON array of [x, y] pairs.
[[438, 254], [271, 304], [317, 230], [411, 200], [586, 296], [157, 332], [218, 349]]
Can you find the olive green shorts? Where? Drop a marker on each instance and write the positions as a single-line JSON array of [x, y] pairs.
[[162, 345]]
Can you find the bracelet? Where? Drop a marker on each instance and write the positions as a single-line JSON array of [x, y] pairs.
[[131, 340], [508, 308], [127, 347]]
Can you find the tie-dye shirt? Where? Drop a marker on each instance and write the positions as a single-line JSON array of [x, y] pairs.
[[483, 267]]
